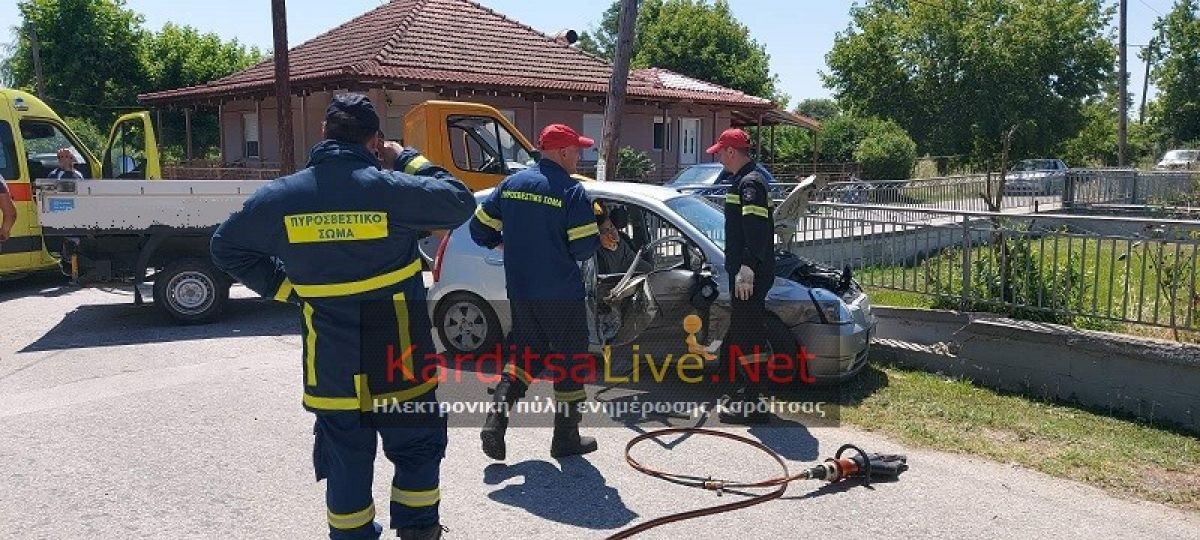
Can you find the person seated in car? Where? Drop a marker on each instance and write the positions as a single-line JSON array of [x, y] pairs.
[[615, 255]]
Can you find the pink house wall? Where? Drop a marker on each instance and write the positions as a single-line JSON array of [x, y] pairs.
[[637, 128]]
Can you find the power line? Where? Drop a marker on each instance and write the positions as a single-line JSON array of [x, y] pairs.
[[1152, 8]]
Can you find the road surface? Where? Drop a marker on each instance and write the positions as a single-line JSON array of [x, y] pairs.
[[118, 424]]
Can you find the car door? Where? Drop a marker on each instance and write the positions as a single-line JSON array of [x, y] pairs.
[[132, 149], [653, 297]]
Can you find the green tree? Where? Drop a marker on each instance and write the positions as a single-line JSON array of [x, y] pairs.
[[958, 74], [1177, 75], [179, 56], [93, 58], [886, 153], [820, 109], [692, 37], [839, 137]]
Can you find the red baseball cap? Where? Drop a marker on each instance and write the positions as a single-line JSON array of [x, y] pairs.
[[731, 138], [556, 136]]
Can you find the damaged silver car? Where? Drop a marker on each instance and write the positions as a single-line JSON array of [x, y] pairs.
[[677, 275]]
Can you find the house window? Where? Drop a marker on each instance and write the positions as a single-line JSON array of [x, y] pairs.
[[661, 129], [250, 135], [593, 128]]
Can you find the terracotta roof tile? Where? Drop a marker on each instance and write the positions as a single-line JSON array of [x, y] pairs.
[[453, 42]]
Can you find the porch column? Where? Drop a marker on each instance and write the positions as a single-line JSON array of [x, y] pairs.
[[773, 155], [662, 152], [187, 130], [259, 127], [758, 138], [715, 134], [221, 132]]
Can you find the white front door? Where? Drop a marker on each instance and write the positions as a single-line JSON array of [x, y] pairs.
[[689, 135], [593, 128]]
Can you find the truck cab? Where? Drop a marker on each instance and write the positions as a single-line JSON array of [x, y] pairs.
[[476, 143], [31, 134]]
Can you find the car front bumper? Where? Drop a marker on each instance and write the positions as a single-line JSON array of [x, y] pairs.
[[835, 352]]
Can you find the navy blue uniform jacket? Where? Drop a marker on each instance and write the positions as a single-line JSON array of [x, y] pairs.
[[340, 238], [545, 221]]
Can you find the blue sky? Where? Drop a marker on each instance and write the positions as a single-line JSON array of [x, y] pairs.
[[796, 33]]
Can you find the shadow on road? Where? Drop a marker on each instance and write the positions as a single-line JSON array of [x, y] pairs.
[[107, 325], [47, 284], [577, 494]]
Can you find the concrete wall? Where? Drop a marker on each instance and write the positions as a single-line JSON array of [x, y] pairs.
[[637, 126], [1149, 379]]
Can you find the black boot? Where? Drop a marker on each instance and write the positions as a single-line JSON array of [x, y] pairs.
[[743, 408], [432, 532], [494, 427], [567, 441]]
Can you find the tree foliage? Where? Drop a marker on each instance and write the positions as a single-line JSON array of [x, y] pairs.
[[820, 109], [957, 74], [93, 55], [97, 57], [692, 37], [886, 153], [1177, 75]]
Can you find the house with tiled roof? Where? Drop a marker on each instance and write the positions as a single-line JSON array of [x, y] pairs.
[[409, 51]]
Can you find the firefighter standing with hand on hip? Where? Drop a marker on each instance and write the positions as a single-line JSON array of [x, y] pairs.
[[750, 264], [340, 238], [545, 222]]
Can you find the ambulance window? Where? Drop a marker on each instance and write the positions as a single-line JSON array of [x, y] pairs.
[[8, 153], [42, 142]]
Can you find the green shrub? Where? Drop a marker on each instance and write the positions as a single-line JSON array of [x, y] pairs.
[[633, 164], [886, 153]]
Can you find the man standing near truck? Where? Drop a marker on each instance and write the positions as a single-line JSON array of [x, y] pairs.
[[340, 238], [545, 222], [750, 264]]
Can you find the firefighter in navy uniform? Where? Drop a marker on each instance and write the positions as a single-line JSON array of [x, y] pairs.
[[340, 239], [750, 264], [543, 220]]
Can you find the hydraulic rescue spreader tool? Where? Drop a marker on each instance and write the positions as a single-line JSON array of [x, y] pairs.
[[849, 463]]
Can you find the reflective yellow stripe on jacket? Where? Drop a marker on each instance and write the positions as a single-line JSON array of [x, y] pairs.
[[329, 290], [415, 164], [753, 210], [583, 231], [487, 219]]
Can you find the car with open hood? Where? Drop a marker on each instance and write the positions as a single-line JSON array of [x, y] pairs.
[[678, 272]]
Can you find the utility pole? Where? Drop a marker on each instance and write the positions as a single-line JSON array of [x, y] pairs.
[[1146, 81], [607, 166], [35, 46], [283, 88], [1123, 80]]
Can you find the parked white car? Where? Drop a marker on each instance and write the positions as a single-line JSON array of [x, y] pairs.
[[680, 240], [1179, 160]]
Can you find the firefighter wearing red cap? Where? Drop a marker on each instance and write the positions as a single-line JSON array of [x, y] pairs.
[[750, 264], [543, 220]]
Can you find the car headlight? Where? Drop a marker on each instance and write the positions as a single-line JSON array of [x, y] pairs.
[[831, 308]]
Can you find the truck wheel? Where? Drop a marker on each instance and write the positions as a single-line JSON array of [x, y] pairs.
[[192, 291], [466, 324]]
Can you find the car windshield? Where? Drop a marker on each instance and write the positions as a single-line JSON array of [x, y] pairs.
[[1182, 155], [1034, 165], [703, 214], [696, 174]]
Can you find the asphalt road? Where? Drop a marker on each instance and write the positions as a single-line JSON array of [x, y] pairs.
[[116, 423]]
